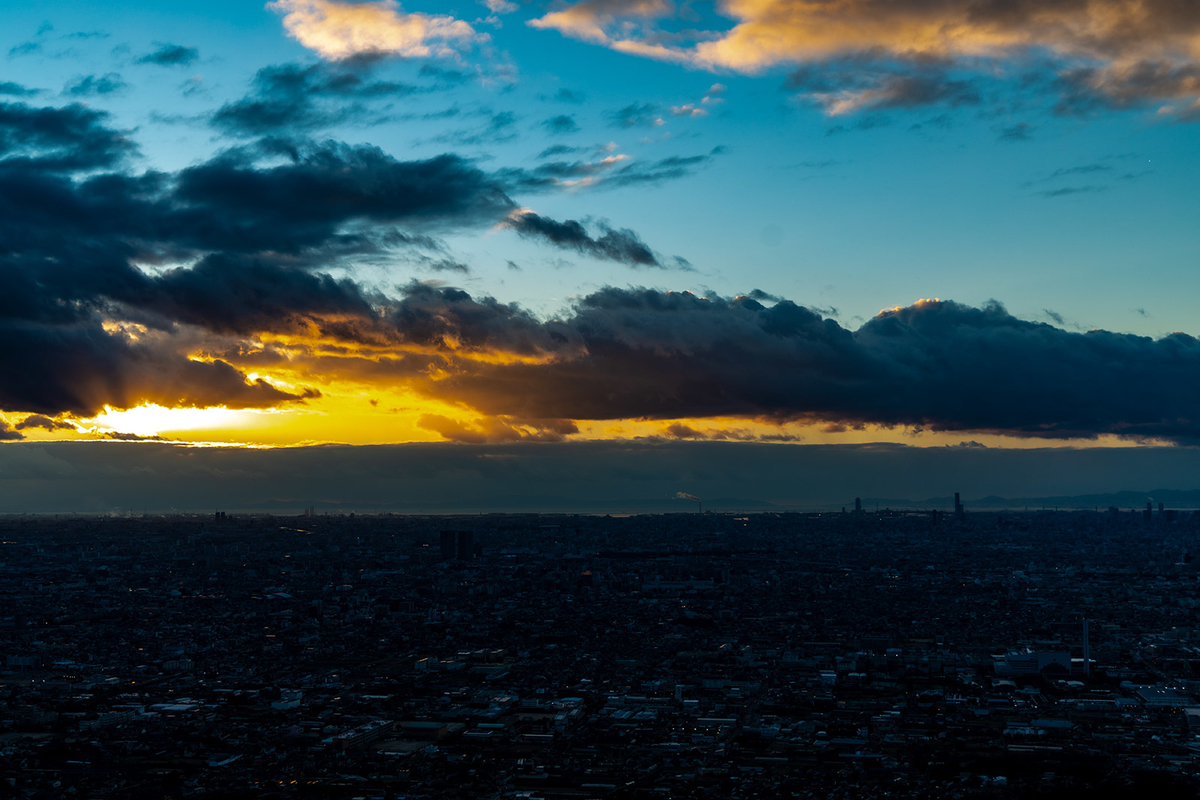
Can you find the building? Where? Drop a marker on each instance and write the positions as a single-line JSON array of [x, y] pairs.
[[1033, 662], [448, 544], [1160, 697], [466, 545]]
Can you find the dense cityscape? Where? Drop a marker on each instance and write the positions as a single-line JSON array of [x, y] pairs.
[[854, 654]]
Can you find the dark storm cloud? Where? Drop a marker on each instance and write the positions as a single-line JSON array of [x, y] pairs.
[[250, 224], [623, 246], [132, 437], [70, 242], [171, 55], [80, 368], [497, 430], [937, 365], [245, 295], [236, 243], [73, 137], [678, 430], [439, 316], [8, 433], [254, 230], [91, 85], [44, 422], [234, 202], [290, 98]]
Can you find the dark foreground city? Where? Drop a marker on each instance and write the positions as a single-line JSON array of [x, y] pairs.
[[848, 655]]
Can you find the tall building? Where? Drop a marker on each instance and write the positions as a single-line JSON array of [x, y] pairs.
[[466, 545], [448, 544]]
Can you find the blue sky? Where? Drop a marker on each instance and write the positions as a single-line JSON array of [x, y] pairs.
[[847, 175]]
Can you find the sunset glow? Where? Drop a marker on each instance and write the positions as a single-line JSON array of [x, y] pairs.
[[154, 420], [380, 223]]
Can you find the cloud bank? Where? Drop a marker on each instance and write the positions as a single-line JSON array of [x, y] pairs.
[[1113, 52], [124, 288], [213, 285], [936, 365]]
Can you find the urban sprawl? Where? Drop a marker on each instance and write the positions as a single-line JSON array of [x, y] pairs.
[[860, 654]]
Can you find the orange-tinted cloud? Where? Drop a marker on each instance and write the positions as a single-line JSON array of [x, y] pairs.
[[42, 421], [1144, 49], [592, 20], [703, 365], [123, 289], [497, 429], [8, 433], [650, 364], [207, 288], [336, 30], [937, 365]]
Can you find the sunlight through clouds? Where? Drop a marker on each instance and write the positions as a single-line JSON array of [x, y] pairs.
[[155, 420]]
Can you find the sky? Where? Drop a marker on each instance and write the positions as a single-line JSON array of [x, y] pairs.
[[615, 476], [931, 223]]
